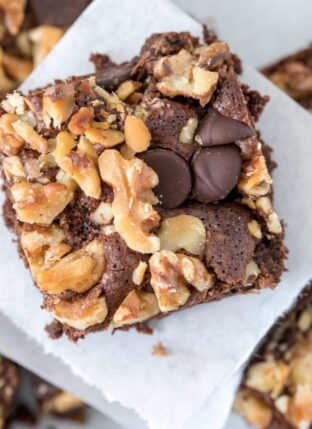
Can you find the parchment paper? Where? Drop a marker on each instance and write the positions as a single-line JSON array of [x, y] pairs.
[[209, 343]]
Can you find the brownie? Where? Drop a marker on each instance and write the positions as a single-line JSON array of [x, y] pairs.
[[276, 392], [293, 74], [143, 189], [9, 380], [31, 28]]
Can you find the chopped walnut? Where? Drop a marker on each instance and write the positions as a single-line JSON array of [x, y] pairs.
[[134, 216], [61, 403], [137, 135], [13, 14], [107, 138], [255, 229], [27, 133], [159, 350], [81, 313], [127, 88], [103, 214], [10, 142], [183, 232], [58, 104], [170, 274], [14, 103], [178, 75], [253, 409], [139, 273], [44, 39], [81, 120], [264, 206], [84, 146], [255, 180], [36, 203], [186, 135], [78, 271], [13, 169], [252, 272], [137, 307]]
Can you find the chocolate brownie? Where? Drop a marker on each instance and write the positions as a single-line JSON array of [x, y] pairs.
[[9, 380], [276, 392], [143, 189], [29, 30], [293, 74]]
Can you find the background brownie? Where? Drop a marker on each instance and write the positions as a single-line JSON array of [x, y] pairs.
[[135, 203], [9, 380], [276, 392]]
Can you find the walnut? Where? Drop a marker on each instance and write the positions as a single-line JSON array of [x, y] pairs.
[[264, 206], [107, 138], [251, 273], [301, 363], [16, 67], [170, 274], [187, 133], [77, 165], [255, 180], [14, 103], [137, 135], [84, 146], [36, 203], [137, 307], [127, 88], [10, 142], [80, 313], [13, 14], [27, 133], [268, 377], [304, 322], [78, 271], [44, 39], [81, 120], [139, 273], [183, 232], [178, 75], [103, 214], [13, 169], [253, 409], [299, 412], [255, 229], [211, 54], [61, 403], [159, 350], [134, 216], [58, 104]]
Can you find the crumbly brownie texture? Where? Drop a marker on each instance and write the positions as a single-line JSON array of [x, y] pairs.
[[29, 29], [51, 400], [155, 197], [9, 380], [293, 74], [277, 389]]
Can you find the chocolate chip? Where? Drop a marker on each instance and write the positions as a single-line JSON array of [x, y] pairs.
[[216, 129], [174, 175], [216, 171]]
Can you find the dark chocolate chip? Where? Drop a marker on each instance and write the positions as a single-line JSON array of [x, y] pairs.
[[216, 171], [216, 129], [174, 175]]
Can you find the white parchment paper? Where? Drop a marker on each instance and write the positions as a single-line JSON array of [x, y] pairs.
[[209, 343]]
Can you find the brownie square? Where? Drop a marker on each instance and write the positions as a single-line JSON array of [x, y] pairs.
[[9, 381], [142, 189]]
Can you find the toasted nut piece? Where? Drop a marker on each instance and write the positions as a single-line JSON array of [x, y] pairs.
[[179, 76], [183, 232], [36, 203], [137, 307], [113, 102], [58, 104], [10, 142], [13, 168], [27, 133], [300, 407], [84, 146], [44, 39], [81, 120], [16, 67], [249, 203], [77, 272], [13, 14], [127, 88], [103, 214], [251, 273], [255, 180], [64, 144], [170, 273], [281, 403], [187, 133], [66, 180], [132, 182], [159, 350], [139, 272], [109, 229], [268, 377], [137, 135], [61, 403], [255, 229], [126, 152], [81, 313], [83, 170], [107, 138], [14, 103], [304, 322], [208, 53], [253, 409], [301, 363], [264, 206]]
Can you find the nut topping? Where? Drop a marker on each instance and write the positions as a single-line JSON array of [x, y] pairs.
[[137, 307], [103, 214], [134, 216], [13, 168], [107, 138], [183, 232], [255, 229], [81, 121], [27, 133], [57, 104], [255, 180], [139, 272], [44, 39], [10, 142], [127, 88], [137, 135], [170, 275], [253, 409], [81, 313], [36, 203]]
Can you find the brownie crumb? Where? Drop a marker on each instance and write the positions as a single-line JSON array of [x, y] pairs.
[[159, 350]]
